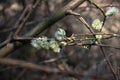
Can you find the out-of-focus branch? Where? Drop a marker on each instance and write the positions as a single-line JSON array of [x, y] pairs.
[[30, 9], [54, 18], [9, 48], [104, 19], [99, 42], [46, 23], [47, 69], [95, 66], [28, 65]]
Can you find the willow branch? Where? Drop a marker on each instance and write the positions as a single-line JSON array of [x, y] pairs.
[[60, 14], [28, 65], [104, 19], [47, 69], [99, 42], [55, 17]]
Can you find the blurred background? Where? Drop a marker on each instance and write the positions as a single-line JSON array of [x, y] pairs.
[[89, 62]]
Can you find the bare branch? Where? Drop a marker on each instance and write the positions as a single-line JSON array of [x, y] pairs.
[[48, 22]]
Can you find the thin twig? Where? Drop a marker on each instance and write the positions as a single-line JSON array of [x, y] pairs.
[[93, 68], [102, 45], [60, 14], [104, 19], [30, 9], [28, 65], [23, 23], [7, 40], [99, 42], [20, 18], [47, 69]]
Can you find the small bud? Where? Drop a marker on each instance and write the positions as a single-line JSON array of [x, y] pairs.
[[40, 42], [98, 36], [54, 46], [57, 50], [63, 43], [60, 34], [112, 11], [85, 46], [97, 24], [35, 44]]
